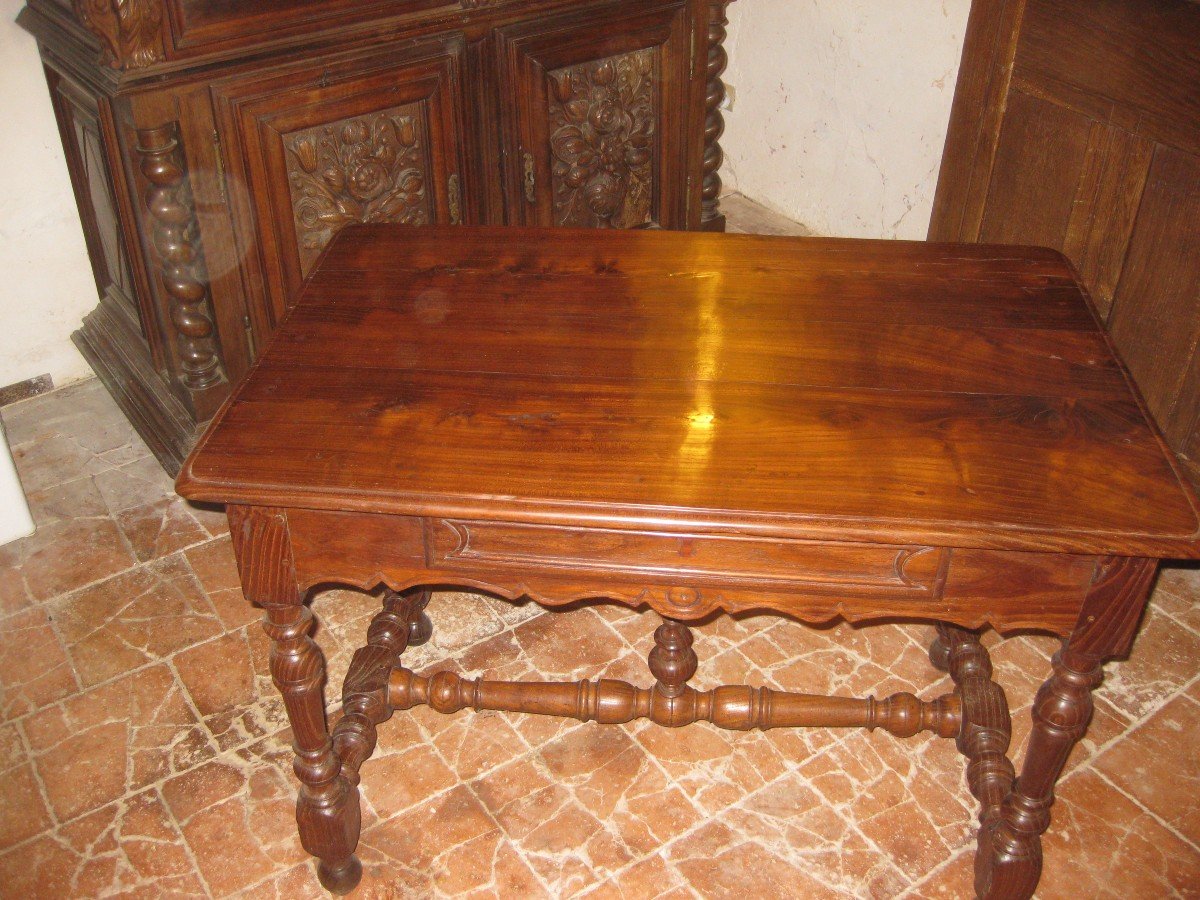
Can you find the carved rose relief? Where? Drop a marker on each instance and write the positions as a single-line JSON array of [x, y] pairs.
[[602, 141], [364, 169]]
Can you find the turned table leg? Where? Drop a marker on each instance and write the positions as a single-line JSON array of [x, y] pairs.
[[1008, 863], [400, 624], [327, 809], [420, 629], [986, 727]]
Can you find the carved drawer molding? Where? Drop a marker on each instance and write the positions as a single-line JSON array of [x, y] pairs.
[[848, 569]]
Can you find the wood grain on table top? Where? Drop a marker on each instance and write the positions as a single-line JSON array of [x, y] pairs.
[[811, 388]]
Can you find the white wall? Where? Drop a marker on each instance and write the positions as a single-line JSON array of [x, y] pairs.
[[841, 109], [46, 284]]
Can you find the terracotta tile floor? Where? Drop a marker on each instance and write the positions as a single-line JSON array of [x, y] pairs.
[[144, 752]]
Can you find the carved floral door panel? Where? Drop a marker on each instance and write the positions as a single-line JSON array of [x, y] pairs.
[[595, 118], [380, 141]]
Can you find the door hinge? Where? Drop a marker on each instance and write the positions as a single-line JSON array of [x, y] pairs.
[[217, 152], [454, 189]]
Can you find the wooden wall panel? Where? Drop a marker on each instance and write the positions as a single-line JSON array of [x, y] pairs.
[[1076, 125], [989, 48], [1105, 208], [1131, 63], [1156, 319], [1039, 161]]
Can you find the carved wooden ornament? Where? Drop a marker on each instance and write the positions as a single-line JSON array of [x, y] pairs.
[[602, 143], [363, 169], [130, 31]]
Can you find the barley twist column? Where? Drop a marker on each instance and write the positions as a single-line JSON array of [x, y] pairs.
[[714, 123], [175, 239]]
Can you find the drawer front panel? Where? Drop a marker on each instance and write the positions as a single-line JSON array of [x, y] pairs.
[[853, 568]]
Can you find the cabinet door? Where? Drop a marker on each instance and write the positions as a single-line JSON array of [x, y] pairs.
[[83, 137], [310, 150], [595, 107]]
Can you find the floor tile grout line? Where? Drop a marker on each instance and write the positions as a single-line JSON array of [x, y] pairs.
[[707, 818], [1150, 812], [962, 792], [135, 670], [445, 792], [157, 784], [1174, 618], [1137, 723], [504, 832], [43, 791], [67, 646], [138, 564], [187, 846], [967, 849], [1182, 692]]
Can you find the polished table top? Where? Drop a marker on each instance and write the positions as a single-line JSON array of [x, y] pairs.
[[962, 395]]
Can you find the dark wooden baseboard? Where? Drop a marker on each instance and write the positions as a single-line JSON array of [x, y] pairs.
[[23, 390]]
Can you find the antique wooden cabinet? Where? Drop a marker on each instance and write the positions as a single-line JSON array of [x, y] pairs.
[[1076, 125], [215, 147]]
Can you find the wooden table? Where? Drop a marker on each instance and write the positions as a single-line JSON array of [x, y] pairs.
[[694, 423]]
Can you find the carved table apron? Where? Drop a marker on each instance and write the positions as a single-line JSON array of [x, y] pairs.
[[694, 423]]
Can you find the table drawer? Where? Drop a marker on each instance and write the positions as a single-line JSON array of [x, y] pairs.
[[456, 544]]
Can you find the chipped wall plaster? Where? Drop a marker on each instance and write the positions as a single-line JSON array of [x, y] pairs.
[[841, 109]]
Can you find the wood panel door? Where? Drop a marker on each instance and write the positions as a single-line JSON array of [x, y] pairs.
[[1076, 125], [86, 140], [310, 150], [594, 108]]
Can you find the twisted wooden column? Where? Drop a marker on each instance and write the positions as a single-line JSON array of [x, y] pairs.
[[714, 123], [175, 239]]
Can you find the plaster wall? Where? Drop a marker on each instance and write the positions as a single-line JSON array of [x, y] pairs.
[[841, 108], [46, 284]]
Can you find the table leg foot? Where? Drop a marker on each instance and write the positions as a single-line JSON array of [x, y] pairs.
[[342, 878], [1005, 869], [327, 808]]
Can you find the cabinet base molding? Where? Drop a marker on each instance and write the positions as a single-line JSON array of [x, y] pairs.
[[113, 348]]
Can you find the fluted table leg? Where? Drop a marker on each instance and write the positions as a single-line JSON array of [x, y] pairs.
[[986, 727], [327, 809]]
